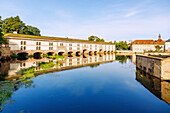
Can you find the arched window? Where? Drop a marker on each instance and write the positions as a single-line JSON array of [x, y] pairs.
[[21, 47], [24, 48], [24, 42], [21, 42]]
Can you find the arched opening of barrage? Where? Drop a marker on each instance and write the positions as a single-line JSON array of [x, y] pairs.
[[90, 53], [70, 54], [37, 55], [100, 51], [22, 56], [78, 53], [95, 52], [50, 53], [61, 53], [85, 51]]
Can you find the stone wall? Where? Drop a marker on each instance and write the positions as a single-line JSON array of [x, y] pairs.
[[4, 52], [158, 67]]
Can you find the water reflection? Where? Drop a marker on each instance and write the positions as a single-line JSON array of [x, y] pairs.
[[160, 89]]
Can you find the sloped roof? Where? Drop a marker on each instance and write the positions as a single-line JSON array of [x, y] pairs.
[[159, 42], [168, 40], [143, 42], [53, 38]]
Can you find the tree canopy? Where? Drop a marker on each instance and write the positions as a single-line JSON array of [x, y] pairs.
[[95, 38], [2, 39], [122, 45], [9, 25]]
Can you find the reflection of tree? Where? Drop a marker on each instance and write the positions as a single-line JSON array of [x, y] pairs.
[[122, 59], [95, 65]]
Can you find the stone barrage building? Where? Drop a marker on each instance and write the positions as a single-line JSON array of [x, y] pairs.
[[53, 45], [167, 45], [156, 65], [146, 45]]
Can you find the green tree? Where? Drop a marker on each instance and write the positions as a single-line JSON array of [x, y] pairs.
[[158, 47], [9, 25], [92, 38], [122, 45], [2, 39]]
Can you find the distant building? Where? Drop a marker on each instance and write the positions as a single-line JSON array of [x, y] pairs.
[[146, 45], [167, 45]]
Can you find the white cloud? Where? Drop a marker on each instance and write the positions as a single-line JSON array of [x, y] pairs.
[[132, 13]]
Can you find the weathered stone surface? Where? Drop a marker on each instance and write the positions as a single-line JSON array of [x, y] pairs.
[[4, 52], [159, 67]]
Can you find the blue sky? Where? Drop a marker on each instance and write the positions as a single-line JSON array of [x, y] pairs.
[[108, 19]]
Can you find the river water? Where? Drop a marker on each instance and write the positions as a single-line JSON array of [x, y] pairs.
[[91, 84]]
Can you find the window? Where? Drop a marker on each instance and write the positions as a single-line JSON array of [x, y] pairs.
[[24, 42], [21, 47], [50, 44], [39, 43], [61, 44], [24, 48], [70, 44], [70, 48], [21, 42], [78, 44], [70, 60], [50, 48], [78, 48]]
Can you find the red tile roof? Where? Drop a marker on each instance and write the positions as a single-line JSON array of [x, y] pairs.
[[159, 42]]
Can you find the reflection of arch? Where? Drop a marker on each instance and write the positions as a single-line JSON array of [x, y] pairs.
[[100, 50], [61, 53], [50, 53], [78, 53], [37, 55], [70, 54], [22, 55], [95, 52], [90, 53]]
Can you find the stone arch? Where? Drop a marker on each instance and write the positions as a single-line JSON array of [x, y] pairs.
[[78, 53], [50, 53], [70, 54], [37, 55], [95, 52], [22, 55], [85, 51], [90, 53], [61, 53]]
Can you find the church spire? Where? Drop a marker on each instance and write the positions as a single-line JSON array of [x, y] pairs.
[[159, 36]]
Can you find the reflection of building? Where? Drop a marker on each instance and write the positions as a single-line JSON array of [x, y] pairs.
[[66, 63], [158, 66], [146, 45], [53, 45], [167, 46], [159, 88]]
